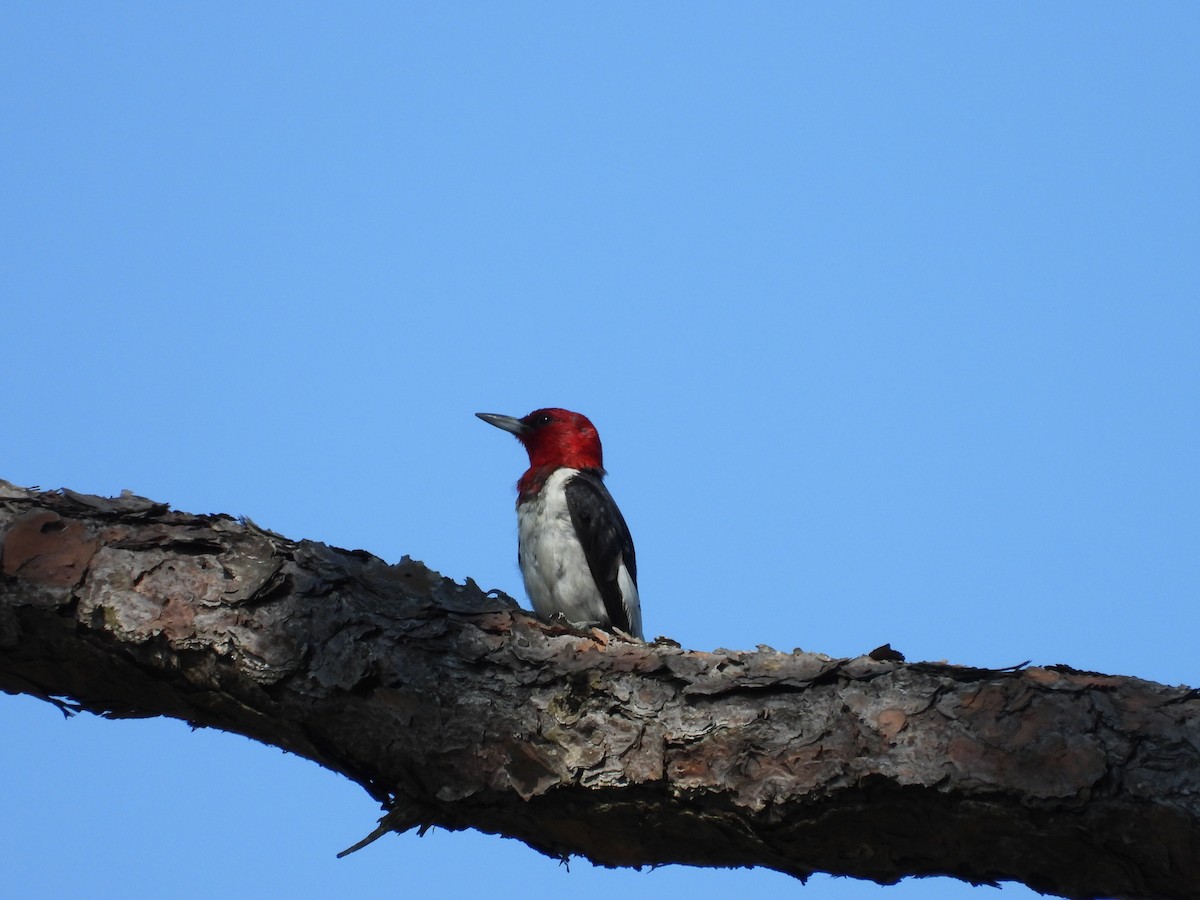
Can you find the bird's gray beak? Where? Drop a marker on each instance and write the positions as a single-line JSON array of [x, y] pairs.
[[505, 423]]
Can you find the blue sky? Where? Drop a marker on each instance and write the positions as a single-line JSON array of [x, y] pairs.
[[888, 316]]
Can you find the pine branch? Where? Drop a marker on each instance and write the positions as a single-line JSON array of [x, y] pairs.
[[455, 709]]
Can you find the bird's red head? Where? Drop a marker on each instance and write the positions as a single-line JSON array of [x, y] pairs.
[[554, 438]]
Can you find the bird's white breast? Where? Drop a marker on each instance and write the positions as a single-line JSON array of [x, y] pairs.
[[557, 577]]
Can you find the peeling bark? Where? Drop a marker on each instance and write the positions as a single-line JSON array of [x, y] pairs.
[[454, 708]]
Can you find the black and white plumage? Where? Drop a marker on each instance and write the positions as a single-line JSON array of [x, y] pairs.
[[576, 553], [574, 548]]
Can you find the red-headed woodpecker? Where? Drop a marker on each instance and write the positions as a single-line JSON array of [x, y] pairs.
[[574, 547]]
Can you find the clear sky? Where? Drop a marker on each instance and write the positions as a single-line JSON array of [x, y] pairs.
[[888, 315]]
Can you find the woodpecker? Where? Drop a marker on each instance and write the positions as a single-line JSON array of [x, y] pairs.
[[573, 545]]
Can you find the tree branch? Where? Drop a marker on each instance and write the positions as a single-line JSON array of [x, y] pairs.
[[454, 708]]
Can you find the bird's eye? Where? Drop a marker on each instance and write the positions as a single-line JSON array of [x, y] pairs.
[[543, 419]]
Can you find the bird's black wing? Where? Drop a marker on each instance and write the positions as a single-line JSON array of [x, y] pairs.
[[605, 539]]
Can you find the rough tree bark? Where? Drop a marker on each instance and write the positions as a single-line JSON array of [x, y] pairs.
[[456, 709]]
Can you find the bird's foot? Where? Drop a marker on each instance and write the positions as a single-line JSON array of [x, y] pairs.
[[582, 629]]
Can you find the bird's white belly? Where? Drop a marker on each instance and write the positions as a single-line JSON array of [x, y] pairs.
[[557, 577]]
